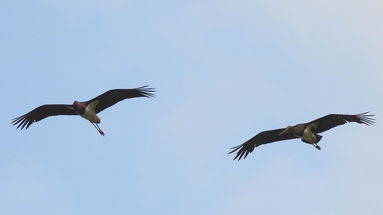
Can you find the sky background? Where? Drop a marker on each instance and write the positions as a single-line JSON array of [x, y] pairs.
[[223, 71]]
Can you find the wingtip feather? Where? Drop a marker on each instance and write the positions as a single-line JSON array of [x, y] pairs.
[[366, 118], [21, 122], [147, 91], [242, 153]]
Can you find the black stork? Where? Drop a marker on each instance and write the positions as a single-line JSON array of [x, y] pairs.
[[87, 110], [308, 132]]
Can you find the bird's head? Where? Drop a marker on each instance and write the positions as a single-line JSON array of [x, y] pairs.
[[79, 107]]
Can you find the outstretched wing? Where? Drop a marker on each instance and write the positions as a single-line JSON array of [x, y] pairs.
[[332, 120], [259, 139], [42, 112], [111, 97]]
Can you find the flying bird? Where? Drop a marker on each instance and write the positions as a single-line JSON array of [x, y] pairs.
[[87, 110], [308, 132]]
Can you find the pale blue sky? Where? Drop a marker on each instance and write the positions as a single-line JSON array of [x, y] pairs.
[[223, 71]]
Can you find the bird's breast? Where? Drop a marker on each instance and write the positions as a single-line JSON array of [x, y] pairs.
[[90, 113], [308, 135], [90, 116]]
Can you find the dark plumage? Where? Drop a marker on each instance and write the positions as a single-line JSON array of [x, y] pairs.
[[86, 109], [42, 112], [308, 132], [111, 97]]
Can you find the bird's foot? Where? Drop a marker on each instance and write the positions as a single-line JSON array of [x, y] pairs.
[[101, 132], [98, 128], [316, 146]]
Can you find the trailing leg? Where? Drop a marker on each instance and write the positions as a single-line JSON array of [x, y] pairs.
[[98, 128]]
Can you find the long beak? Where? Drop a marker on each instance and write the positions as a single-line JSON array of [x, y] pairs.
[[98, 128], [284, 132]]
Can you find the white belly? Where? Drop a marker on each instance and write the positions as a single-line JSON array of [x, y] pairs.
[[308, 135], [90, 113]]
